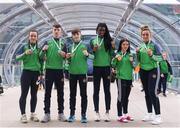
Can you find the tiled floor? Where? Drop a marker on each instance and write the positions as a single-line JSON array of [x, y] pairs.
[[10, 113]]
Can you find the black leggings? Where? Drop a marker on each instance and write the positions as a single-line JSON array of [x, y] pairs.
[[83, 92], [163, 82], [54, 76], [124, 89], [150, 81], [98, 73], [28, 79]]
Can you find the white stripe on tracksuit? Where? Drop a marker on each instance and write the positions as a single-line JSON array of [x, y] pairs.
[[158, 79]]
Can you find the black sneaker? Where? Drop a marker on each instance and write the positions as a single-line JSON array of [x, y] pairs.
[[158, 92], [164, 95]]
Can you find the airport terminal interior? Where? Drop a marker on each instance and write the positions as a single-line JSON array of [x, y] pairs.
[[124, 19]]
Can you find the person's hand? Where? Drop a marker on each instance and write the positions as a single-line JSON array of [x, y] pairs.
[[95, 48], [150, 52], [137, 49], [45, 48], [28, 52], [113, 71], [85, 52], [113, 44], [119, 57], [162, 75], [68, 55], [62, 53], [131, 58]]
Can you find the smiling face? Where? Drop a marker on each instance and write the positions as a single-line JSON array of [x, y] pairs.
[[56, 32], [33, 37], [101, 31], [124, 46], [145, 35]]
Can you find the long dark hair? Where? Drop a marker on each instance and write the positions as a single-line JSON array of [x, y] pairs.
[[107, 37], [120, 45]]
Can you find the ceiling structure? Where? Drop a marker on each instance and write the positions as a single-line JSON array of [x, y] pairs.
[[123, 18]]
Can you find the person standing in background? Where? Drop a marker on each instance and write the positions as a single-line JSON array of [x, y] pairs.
[[165, 69]]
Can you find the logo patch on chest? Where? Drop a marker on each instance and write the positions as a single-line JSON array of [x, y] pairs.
[[154, 76]]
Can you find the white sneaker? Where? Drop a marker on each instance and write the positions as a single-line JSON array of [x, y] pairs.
[[148, 117], [97, 117], [46, 118], [61, 117], [157, 120], [107, 117], [33, 117], [24, 119]]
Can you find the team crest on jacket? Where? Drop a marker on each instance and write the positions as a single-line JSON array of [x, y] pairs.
[[62, 80], [154, 76], [84, 80], [109, 77]]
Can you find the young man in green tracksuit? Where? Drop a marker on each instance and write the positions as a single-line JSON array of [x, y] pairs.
[[103, 46], [123, 63], [149, 56], [78, 68], [165, 69], [54, 53], [31, 70]]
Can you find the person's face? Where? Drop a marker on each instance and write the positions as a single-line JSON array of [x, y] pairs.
[[101, 31], [125, 46], [146, 35], [56, 32], [33, 37], [164, 56], [76, 37]]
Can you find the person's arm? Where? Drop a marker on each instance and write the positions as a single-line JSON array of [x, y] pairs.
[[41, 61], [156, 56], [87, 53], [133, 60], [138, 53], [43, 51], [169, 67], [113, 44], [21, 54], [93, 45], [114, 62], [64, 50]]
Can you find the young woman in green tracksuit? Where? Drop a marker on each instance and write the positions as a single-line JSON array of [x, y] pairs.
[[166, 70], [149, 57], [78, 68], [102, 48], [54, 52], [31, 70], [123, 63]]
